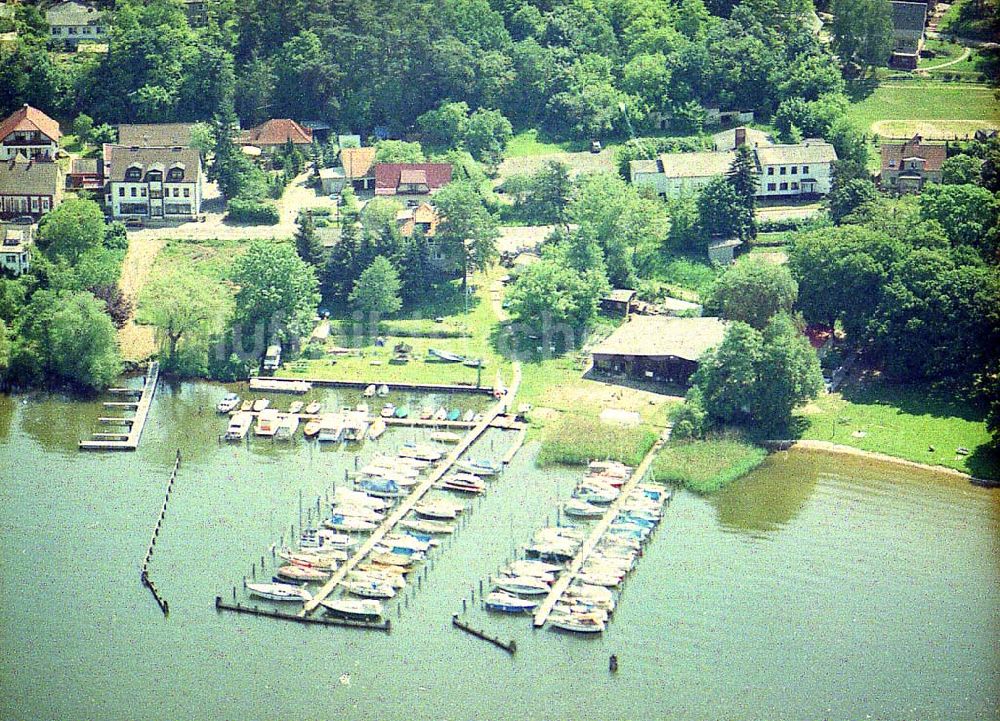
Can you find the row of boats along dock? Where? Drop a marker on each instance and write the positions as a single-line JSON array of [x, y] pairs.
[[376, 536], [570, 571]]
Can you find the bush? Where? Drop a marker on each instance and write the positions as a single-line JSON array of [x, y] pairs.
[[115, 238], [248, 210], [706, 466], [579, 439]]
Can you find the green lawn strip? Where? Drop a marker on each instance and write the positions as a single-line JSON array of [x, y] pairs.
[[527, 142], [908, 423], [708, 465], [944, 52], [577, 439], [210, 259], [924, 101]]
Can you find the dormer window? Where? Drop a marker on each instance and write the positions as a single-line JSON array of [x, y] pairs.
[[175, 175], [154, 176], [133, 173]]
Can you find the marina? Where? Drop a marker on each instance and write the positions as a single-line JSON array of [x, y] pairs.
[[129, 441]]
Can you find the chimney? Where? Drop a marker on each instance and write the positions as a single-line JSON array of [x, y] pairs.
[[741, 136]]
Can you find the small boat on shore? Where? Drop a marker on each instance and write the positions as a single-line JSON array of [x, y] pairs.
[[296, 407], [426, 413], [370, 589], [474, 362], [370, 391], [353, 609], [446, 356], [508, 603], [314, 408], [303, 573], [383, 390], [239, 426], [362, 408], [260, 404], [388, 410], [402, 412], [228, 403], [376, 429], [445, 437], [526, 585], [463, 483], [441, 414], [267, 422], [454, 414], [279, 592]]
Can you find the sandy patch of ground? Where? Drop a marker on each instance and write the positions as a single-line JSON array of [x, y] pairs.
[[930, 129], [137, 342]]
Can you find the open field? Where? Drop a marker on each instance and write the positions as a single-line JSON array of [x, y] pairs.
[[931, 128], [907, 423], [927, 102], [708, 465]]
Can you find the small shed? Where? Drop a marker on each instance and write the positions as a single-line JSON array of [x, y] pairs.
[[723, 252], [331, 180], [658, 348], [618, 301]]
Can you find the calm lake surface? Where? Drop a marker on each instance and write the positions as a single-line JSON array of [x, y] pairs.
[[819, 587]]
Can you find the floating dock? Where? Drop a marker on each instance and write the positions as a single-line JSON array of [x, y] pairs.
[[135, 424], [567, 576], [221, 605]]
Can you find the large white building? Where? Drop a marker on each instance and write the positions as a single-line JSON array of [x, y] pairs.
[[153, 183], [797, 169], [72, 22]]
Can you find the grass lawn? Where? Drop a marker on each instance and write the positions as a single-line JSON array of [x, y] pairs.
[[926, 101], [708, 465], [903, 422], [210, 259], [528, 142], [577, 439]]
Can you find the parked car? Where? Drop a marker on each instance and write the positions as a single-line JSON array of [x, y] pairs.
[[595, 146], [23, 220]]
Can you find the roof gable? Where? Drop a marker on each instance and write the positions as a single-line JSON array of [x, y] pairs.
[[120, 158], [152, 135], [893, 154], [18, 177], [29, 118], [388, 176], [662, 336], [278, 131], [909, 16], [357, 162]]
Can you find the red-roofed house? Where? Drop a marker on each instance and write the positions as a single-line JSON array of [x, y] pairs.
[[410, 178], [906, 167], [276, 133], [31, 133]]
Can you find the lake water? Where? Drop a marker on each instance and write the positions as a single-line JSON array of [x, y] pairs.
[[818, 587]]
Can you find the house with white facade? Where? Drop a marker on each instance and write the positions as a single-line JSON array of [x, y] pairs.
[[797, 169], [72, 22], [15, 248], [154, 184], [804, 168], [29, 132]]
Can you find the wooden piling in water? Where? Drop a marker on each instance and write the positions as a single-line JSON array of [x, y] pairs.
[[144, 574], [508, 646]]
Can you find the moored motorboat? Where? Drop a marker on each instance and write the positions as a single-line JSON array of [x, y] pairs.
[[463, 483], [324, 561], [479, 467], [383, 390], [393, 559], [303, 573], [596, 493], [239, 426], [313, 408], [228, 403], [437, 510], [279, 592], [267, 422], [296, 407], [370, 589], [388, 410], [353, 609], [320, 539], [578, 623], [508, 603], [351, 524], [582, 509], [362, 512], [331, 428], [287, 425], [445, 437], [532, 568], [427, 526], [370, 391], [348, 497], [260, 404], [376, 429], [380, 487], [441, 414], [396, 580], [607, 580], [312, 428], [526, 585], [419, 452]]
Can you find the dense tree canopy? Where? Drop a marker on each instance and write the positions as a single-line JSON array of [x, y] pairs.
[[753, 291]]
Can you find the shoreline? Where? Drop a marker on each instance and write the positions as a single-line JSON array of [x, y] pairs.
[[840, 449]]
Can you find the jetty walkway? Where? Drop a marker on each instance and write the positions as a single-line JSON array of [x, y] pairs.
[[407, 504], [126, 441], [396, 386], [565, 578]]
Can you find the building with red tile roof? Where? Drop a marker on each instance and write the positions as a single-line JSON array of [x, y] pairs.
[[31, 133], [411, 178], [275, 133], [907, 167]]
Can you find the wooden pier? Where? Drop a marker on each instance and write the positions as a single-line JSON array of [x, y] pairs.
[[407, 503], [135, 424], [567, 576], [508, 646], [221, 605], [435, 387], [501, 421]]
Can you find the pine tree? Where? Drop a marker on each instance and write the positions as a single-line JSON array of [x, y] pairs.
[[307, 243], [742, 176], [415, 267], [377, 289]]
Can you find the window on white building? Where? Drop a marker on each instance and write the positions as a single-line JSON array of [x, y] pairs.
[[770, 171], [795, 186], [783, 170], [795, 170], [783, 186], [771, 186], [805, 169]]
